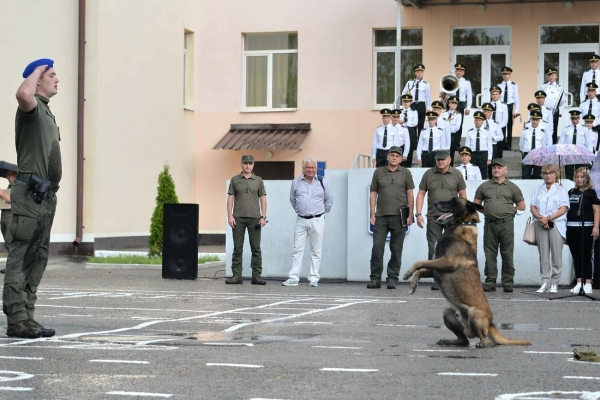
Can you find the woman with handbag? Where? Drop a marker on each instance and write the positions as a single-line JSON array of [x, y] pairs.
[[584, 206], [549, 205]]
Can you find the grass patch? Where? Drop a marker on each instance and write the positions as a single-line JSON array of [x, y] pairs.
[[142, 259]]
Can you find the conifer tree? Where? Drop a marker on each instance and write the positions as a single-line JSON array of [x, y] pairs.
[[166, 194]]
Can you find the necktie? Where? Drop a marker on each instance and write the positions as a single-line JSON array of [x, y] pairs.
[[384, 145], [533, 140], [590, 109], [574, 135], [417, 92], [465, 172], [505, 93], [594, 77], [430, 139], [405, 121], [494, 113], [487, 125], [477, 142]]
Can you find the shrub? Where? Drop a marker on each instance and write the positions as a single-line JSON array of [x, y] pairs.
[[166, 194]]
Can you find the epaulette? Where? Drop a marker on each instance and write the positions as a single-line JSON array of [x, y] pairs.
[[513, 83], [543, 130], [424, 82]]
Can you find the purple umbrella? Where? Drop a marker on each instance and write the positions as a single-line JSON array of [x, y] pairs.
[[559, 154]]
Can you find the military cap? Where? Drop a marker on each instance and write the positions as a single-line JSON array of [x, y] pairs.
[[535, 114], [34, 64], [479, 115], [465, 150], [591, 86], [498, 161], [431, 115], [589, 117], [533, 106], [487, 106], [495, 89], [595, 57], [575, 113], [247, 158], [540, 93], [460, 66], [437, 104], [550, 71], [453, 99], [506, 70], [407, 96], [442, 154], [396, 113], [395, 149], [386, 112], [419, 67]]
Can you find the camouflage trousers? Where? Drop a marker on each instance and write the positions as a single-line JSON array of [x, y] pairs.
[[30, 231]]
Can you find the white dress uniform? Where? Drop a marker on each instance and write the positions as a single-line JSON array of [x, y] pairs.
[[593, 139], [392, 139], [439, 140], [453, 119], [465, 92], [510, 92], [555, 94], [583, 136], [485, 140], [470, 172], [501, 117], [420, 91], [542, 138], [403, 139], [495, 130], [445, 126], [547, 118], [542, 124], [590, 107], [409, 117], [593, 75]]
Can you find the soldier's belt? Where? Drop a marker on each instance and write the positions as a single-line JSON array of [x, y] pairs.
[[500, 221], [26, 178]]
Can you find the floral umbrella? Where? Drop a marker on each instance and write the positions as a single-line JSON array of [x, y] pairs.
[[559, 154]]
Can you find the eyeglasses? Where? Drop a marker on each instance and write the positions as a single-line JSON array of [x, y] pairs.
[[548, 173]]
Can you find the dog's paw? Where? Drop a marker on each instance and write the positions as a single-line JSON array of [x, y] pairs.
[[412, 289], [407, 276], [456, 342], [481, 345]]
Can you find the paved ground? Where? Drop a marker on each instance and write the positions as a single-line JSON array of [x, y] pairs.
[[131, 334]]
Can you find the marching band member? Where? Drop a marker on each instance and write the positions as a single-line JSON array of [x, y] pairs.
[[421, 93], [500, 116], [591, 76], [464, 93], [454, 120], [480, 139], [431, 139], [555, 98], [495, 131], [409, 119], [589, 121], [547, 118], [470, 172], [385, 137], [510, 97], [534, 137], [575, 134], [403, 136]]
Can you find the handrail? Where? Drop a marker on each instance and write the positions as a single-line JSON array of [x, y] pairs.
[[361, 161]]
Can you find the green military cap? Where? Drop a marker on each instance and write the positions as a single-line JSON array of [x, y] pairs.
[[495, 89], [395, 149], [396, 113], [535, 114], [550, 71], [407, 96], [479, 115], [460, 66], [247, 158], [465, 150], [498, 161], [419, 67], [386, 112], [453, 99], [437, 104], [591, 86], [487, 106], [589, 118], [533, 106], [540, 93], [575, 113], [506, 70], [431, 115], [442, 154], [595, 57]]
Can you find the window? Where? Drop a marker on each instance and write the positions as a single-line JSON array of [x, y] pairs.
[[270, 72], [384, 57], [188, 69], [569, 34], [481, 36]]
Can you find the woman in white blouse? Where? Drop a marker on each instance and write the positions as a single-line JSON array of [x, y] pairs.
[[549, 206]]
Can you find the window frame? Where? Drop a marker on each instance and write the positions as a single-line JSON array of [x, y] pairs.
[[188, 70]]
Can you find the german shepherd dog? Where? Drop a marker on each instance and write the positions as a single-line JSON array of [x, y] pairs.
[[457, 275]]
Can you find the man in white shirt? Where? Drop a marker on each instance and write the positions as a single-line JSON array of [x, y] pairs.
[[385, 137], [479, 140], [555, 98], [531, 138], [403, 137], [540, 99], [469, 171], [575, 134], [589, 121], [409, 119], [510, 97], [593, 75], [454, 120], [464, 93], [421, 93], [500, 116], [495, 131], [431, 139], [591, 105]]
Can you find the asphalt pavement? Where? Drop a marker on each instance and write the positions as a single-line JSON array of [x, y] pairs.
[[127, 333]]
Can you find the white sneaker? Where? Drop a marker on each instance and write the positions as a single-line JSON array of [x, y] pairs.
[[290, 282], [587, 288], [553, 288], [576, 288], [543, 288], [313, 284]]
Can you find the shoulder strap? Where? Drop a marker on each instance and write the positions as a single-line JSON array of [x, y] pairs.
[[320, 178]]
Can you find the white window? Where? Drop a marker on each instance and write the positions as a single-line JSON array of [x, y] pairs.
[[384, 58], [188, 69], [270, 72]]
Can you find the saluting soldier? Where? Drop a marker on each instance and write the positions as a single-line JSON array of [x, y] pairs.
[[593, 75], [421, 93], [495, 131], [575, 134], [540, 99], [454, 120], [403, 136], [385, 137], [469, 171], [464, 93], [432, 138], [409, 119], [480, 139], [534, 137], [510, 97], [500, 116], [592, 106], [589, 121], [555, 98]]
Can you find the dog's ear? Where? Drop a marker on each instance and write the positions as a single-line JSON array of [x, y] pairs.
[[477, 207]]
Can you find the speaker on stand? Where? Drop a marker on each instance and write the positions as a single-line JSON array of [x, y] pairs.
[[180, 241]]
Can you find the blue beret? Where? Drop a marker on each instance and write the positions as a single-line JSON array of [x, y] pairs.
[[33, 65]]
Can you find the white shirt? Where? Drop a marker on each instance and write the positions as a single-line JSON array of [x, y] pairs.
[[453, 119], [547, 118], [548, 202], [542, 138], [501, 113], [409, 117], [512, 96], [439, 140], [424, 91], [392, 139], [485, 140], [554, 92], [494, 129], [585, 110], [586, 78], [470, 172], [403, 139], [465, 92], [592, 139], [445, 126], [583, 136]]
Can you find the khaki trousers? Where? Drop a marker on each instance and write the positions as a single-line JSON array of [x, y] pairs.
[[549, 244]]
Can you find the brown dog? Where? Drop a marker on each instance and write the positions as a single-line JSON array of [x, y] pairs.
[[457, 275]]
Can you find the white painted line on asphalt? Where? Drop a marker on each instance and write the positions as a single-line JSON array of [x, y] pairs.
[[233, 365], [582, 377], [571, 329], [16, 389], [21, 358], [464, 374], [75, 315], [258, 313], [140, 394], [263, 398], [120, 361], [349, 369], [229, 344], [337, 347], [122, 308], [406, 326], [584, 362], [548, 352], [438, 350], [521, 396], [313, 323], [293, 308]]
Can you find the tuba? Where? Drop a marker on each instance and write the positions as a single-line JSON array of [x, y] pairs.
[[449, 84]]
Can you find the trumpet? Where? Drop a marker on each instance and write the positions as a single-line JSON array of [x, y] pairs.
[[449, 84]]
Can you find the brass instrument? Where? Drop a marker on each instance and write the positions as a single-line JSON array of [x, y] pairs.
[[449, 84]]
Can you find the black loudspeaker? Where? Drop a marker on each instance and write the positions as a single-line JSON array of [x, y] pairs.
[[180, 241]]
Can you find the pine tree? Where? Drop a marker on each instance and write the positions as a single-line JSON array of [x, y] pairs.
[[166, 194]]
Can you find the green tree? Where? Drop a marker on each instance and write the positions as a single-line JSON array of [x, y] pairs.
[[166, 194]]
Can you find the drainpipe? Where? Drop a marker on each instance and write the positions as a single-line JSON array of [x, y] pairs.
[[80, 107], [398, 56]]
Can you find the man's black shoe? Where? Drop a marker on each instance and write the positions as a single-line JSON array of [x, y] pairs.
[[435, 287], [3, 270], [391, 283], [488, 288], [234, 280], [374, 285], [23, 330], [46, 332], [508, 289], [257, 280]]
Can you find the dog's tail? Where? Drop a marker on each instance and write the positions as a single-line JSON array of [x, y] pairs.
[[499, 339]]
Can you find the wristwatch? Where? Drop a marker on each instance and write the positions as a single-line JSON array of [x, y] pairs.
[[418, 215], [265, 217]]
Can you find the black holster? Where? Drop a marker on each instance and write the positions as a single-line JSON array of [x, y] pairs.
[[39, 187]]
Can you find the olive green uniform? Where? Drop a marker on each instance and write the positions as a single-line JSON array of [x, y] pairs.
[[499, 201], [5, 224], [246, 211], [391, 188], [439, 187], [38, 152]]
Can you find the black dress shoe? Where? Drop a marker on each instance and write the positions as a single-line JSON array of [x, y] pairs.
[[23, 330], [508, 289], [46, 332], [374, 285], [234, 280], [435, 287], [488, 288], [257, 280]]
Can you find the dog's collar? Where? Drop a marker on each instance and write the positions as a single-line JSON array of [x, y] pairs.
[[469, 223]]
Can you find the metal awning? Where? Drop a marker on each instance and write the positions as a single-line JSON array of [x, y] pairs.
[[264, 136], [428, 3]]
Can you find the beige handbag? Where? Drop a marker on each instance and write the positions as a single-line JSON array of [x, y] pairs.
[[529, 235]]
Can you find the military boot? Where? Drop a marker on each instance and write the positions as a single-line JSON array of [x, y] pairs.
[[24, 330], [391, 283], [234, 280], [46, 332], [257, 280], [375, 284]]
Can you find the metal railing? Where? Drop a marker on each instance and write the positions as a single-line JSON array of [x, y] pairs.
[[361, 161]]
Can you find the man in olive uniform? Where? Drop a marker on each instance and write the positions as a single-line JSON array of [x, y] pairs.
[[440, 183], [6, 216], [33, 198], [391, 204], [247, 197], [501, 199]]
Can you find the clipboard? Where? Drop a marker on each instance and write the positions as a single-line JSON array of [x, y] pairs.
[[4, 205], [404, 216]]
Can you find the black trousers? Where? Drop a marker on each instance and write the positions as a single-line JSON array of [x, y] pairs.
[[508, 130], [461, 109], [596, 278], [576, 244], [419, 107], [412, 134], [428, 159], [479, 158], [454, 145], [555, 116], [381, 158], [495, 151], [530, 171]]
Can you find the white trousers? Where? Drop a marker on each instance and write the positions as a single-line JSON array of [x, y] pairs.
[[313, 229]]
